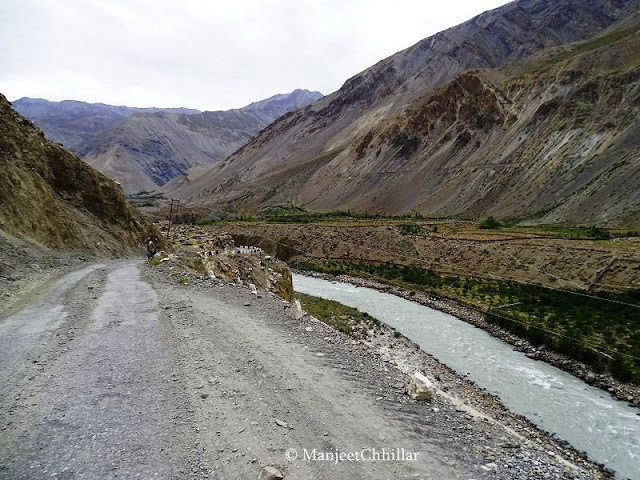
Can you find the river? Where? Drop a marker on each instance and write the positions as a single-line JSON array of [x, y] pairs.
[[585, 416]]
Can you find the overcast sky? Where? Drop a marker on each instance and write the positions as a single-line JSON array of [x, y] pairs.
[[205, 54]]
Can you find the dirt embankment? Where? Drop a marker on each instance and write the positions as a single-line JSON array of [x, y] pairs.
[[218, 257]]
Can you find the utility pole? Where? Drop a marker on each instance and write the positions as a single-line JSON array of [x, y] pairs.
[[177, 207], [173, 202]]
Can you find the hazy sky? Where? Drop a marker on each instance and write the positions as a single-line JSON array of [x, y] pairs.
[[206, 54]]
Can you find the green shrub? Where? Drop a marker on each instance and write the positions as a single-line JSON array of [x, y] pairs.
[[155, 261], [490, 224]]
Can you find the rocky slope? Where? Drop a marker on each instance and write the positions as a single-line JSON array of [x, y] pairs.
[[438, 130], [51, 196]]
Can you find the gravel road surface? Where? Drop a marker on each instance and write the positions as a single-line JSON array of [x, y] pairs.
[[118, 371]]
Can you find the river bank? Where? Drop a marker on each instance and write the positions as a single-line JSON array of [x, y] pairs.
[[621, 391], [461, 418]]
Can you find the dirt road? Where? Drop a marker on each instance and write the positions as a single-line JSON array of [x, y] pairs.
[[119, 372]]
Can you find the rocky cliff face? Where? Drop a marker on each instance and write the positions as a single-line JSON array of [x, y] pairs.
[[145, 148], [438, 129], [51, 196]]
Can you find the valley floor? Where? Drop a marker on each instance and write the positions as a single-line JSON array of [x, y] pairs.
[[120, 370]]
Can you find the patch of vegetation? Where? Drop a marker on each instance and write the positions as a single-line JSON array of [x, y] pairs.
[[489, 224], [145, 199], [296, 214], [598, 233], [289, 209], [184, 280], [189, 241], [347, 320], [194, 263], [411, 228], [155, 261], [568, 231], [602, 331], [313, 217]]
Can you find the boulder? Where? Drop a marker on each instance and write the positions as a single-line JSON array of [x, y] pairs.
[[420, 387], [590, 378], [296, 310], [270, 473]]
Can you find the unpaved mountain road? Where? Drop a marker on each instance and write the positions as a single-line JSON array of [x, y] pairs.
[[120, 372]]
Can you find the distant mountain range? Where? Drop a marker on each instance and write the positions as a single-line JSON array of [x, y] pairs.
[[143, 148], [529, 112], [74, 123]]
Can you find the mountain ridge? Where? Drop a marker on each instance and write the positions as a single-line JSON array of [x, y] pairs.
[[73, 122], [144, 148], [316, 150]]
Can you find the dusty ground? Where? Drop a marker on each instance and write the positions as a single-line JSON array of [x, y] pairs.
[[122, 371], [456, 248], [26, 266]]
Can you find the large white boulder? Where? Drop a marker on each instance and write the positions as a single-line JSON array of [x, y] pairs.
[[296, 310], [270, 473], [420, 387]]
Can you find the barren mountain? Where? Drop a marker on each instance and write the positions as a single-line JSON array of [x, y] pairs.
[[51, 196], [74, 123], [143, 148], [144, 151], [453, 127]]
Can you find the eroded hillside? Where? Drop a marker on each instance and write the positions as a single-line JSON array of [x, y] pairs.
[[436, 129], [54, 198]]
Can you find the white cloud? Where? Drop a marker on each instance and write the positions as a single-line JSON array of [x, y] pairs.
[[206, 54]]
